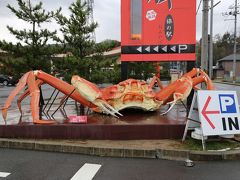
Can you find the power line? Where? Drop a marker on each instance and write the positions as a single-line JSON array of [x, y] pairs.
[[234, 12], [199, 6]]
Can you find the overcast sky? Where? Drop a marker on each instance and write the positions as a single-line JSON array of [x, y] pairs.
[[107, 14]]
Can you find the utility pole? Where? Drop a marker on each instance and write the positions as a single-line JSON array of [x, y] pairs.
[[211, 39], [204, 45], [234, 13], [235, 41], [211, 42]]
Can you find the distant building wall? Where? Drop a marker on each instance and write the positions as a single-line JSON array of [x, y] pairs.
[[219, 74], [228, 66]]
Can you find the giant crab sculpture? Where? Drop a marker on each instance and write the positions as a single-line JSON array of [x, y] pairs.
[[127, 94]]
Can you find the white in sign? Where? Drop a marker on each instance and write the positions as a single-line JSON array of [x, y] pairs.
[[151, 15], [218, 112]]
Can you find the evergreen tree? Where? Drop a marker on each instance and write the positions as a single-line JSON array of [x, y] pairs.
[[32, 47], [141, 70], [77, 32], [106, 45], [76, 29]]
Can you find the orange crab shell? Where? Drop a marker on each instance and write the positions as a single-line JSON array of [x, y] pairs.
[[131, 93]]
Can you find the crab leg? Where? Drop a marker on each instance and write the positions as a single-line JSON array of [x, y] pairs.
[[203, 78], [181, 92], [25, 94], [21, 84], [93, 94], [196, 80], [154, 79], [34, 79], [194, 72], [19, 101], [182, 87], [35, 95]]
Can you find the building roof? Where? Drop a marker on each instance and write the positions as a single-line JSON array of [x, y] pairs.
[[62, 55], [113, 52], [3, 52], [230, 58]]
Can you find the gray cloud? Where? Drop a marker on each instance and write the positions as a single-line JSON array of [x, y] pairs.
[[220, 25], [107, 14]]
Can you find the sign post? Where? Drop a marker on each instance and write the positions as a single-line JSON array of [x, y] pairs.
[[191, 122], [218, 113]]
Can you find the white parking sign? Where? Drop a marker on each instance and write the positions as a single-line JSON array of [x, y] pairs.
[[218, 112]]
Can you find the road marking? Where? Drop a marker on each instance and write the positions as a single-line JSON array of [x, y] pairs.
[[86, 172], [4, 174]]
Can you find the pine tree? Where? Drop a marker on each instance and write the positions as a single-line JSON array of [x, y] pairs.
[[76, 29], [77, 32], [32, 48]]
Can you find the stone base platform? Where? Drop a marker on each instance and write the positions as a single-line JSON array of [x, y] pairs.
[[133, 125]]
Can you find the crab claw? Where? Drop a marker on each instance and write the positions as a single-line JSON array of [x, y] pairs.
[[106, 108], [93, 94], [180, 93]]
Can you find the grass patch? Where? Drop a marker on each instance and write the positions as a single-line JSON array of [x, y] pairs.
[[194, 144]]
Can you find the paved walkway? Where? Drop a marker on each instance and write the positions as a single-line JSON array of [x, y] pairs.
[[160, 149]]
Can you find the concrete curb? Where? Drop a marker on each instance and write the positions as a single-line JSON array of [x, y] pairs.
[[168, 154], [225, 82]]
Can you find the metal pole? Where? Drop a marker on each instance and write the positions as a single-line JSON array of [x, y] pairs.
[[211, 43], [190, 66], [235, 43], [204, 46], [124, 71]]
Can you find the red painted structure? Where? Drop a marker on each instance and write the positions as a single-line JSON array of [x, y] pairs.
[[158, 30]]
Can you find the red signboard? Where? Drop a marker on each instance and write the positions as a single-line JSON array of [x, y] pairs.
[[158, 30], [77, 119]]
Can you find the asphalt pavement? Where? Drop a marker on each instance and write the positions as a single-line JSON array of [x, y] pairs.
[[29, 165]]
